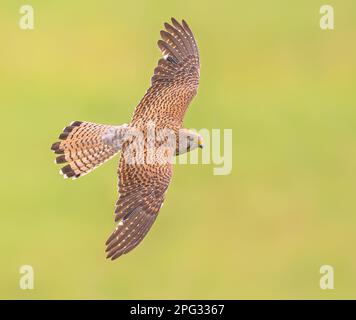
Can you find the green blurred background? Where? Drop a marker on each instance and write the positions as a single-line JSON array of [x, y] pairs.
[[285, 87]]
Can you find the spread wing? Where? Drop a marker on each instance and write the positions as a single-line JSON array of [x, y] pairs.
[[142, 188], [176, 78]]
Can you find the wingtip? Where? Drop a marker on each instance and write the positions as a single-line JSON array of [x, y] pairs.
[[185, 24], [178, 24], [110, 255]]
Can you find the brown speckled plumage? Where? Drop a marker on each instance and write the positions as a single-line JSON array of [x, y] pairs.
[[142, 187], [82, 148]]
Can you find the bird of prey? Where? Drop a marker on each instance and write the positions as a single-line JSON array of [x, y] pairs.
[[142, 185]]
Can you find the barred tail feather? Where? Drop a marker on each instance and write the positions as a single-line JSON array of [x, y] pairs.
[[84, 146]]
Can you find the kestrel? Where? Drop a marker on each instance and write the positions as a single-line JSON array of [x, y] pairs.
[[142, 185]]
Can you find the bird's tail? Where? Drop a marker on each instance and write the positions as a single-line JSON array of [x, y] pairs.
[[84, 146]]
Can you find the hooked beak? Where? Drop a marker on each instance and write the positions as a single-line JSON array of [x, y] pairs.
[[200, 143]]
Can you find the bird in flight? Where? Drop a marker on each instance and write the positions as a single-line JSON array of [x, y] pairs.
[[145, 166]]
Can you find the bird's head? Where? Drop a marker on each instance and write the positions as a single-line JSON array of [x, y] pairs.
[[189, 140]]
